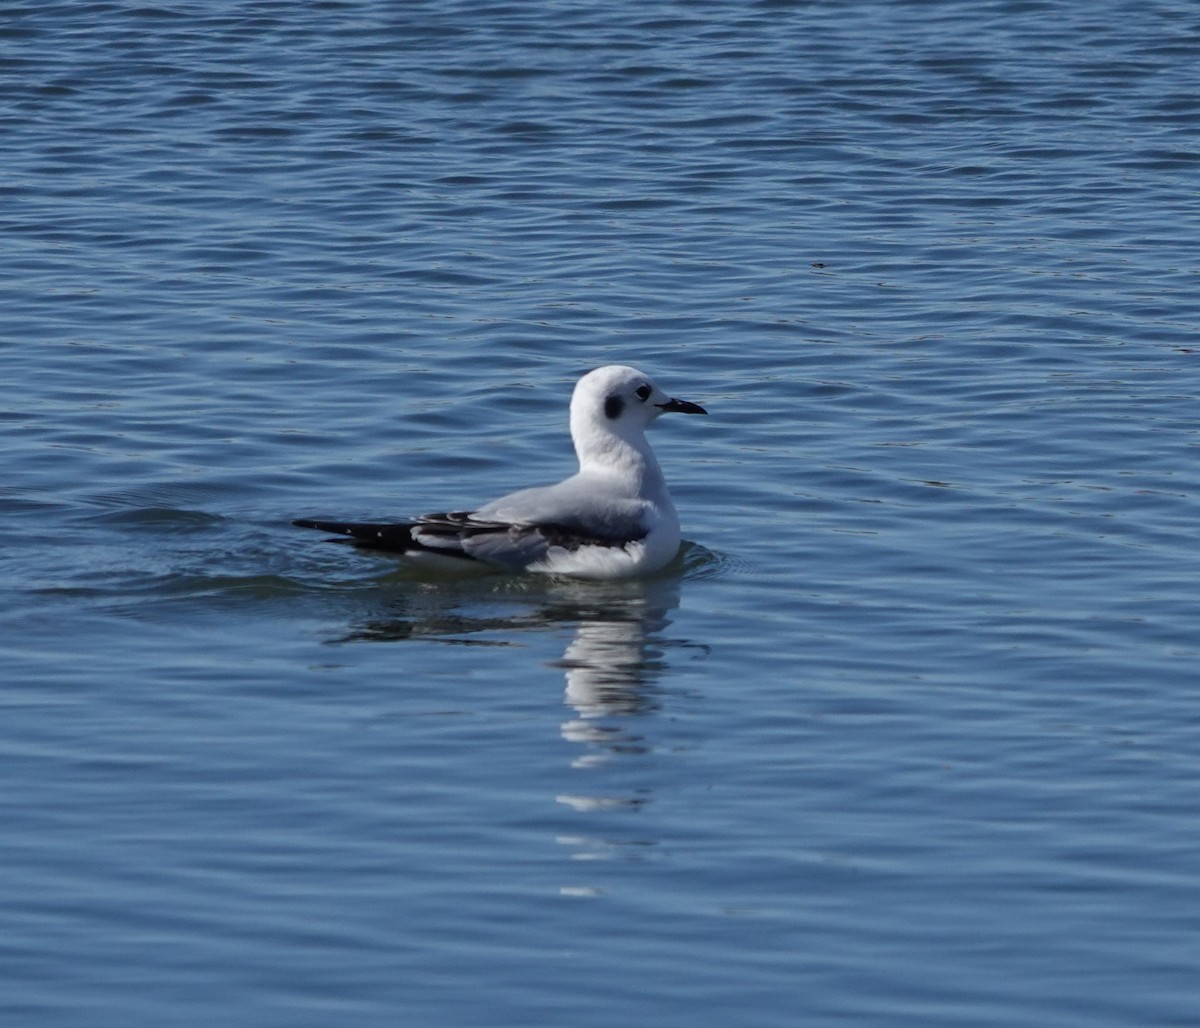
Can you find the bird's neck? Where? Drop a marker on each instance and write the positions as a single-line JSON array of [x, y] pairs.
[[606, 452]]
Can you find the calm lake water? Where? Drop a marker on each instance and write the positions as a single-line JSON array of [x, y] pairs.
[[911, 733]]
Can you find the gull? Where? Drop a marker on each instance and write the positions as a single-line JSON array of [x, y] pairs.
[[612, 519]]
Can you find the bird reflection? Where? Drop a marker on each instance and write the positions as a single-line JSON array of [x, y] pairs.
[[615, 656], [613, 666]]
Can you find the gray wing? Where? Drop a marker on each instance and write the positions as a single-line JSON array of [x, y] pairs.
[[512, 532], [515, 545], [582, 505], [521, 528]]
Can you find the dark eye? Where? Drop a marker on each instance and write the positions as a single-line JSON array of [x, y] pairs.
[[642, 392]]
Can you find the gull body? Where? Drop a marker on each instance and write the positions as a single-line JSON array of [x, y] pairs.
[[613, 518]]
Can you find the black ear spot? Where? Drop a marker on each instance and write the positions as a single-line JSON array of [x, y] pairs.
[[613, 405]]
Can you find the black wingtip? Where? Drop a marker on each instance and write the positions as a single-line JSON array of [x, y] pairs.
[[351, 528], [337, 527], [390, 537]]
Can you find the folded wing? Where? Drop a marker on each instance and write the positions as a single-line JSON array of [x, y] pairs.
[[461, 535]]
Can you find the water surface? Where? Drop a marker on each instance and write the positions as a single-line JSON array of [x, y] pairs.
[[909, 734]]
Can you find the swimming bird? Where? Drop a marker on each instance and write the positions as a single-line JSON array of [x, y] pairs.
[[612, 519]]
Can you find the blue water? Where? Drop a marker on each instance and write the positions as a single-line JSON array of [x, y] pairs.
[[911, 733]]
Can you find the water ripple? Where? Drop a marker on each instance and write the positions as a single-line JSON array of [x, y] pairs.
[[906, 692]]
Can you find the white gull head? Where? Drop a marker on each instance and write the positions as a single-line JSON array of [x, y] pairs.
[[611, 409]]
